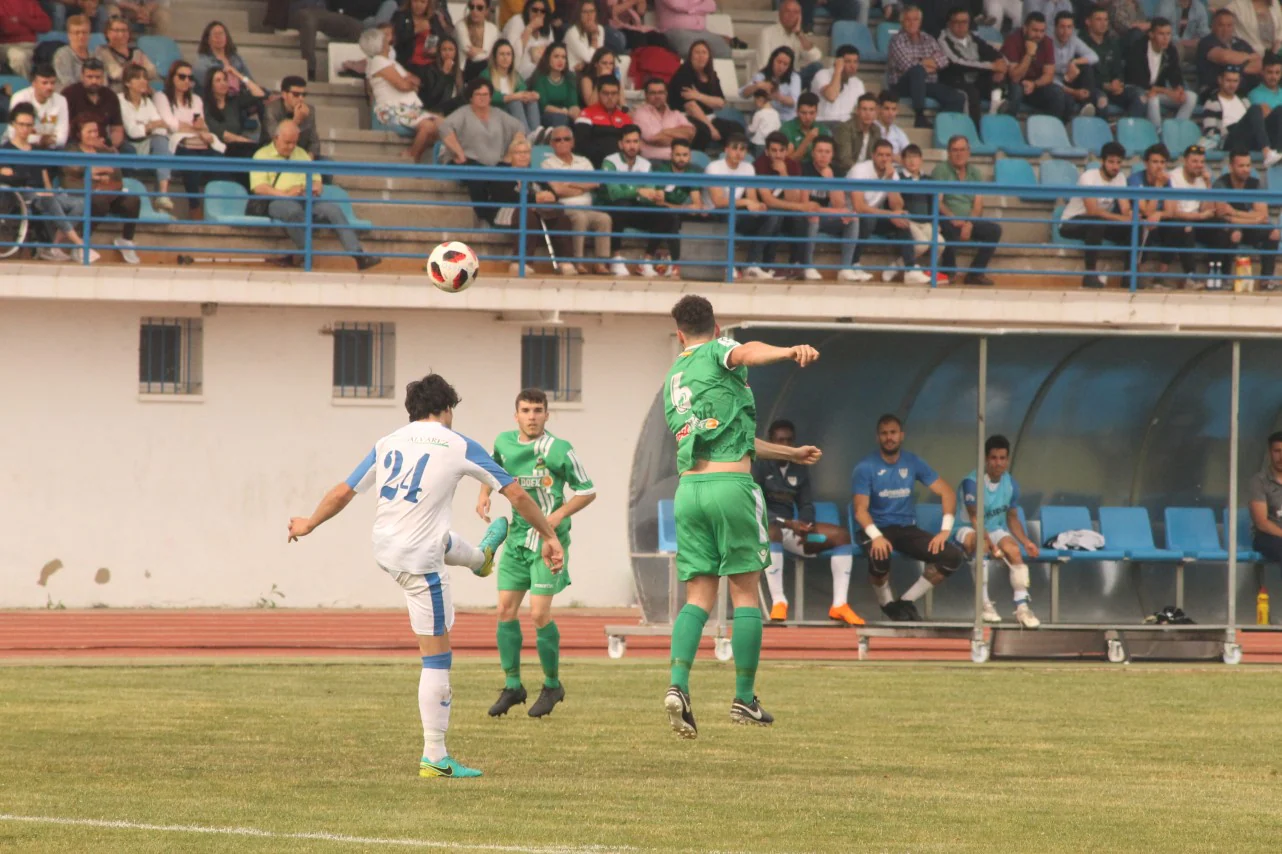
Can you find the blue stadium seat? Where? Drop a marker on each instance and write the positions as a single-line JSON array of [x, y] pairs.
[[1055, 520], [1245, 548], [14, 82], [1058, 173], [948, 125], [1149, 7], [539, 153], [1048, 132], [52, 36], [147, 213], [225, 203], [1013, 170], [1192, 530], [667, 527], [1056, 237], [164, 52], [732, 114], [930, 516], [855, 33], [827, 512], [1273, 178], [1003, 133], [700, 159], [1044, 554], [1129, 529], [1090, 133], [1136, 134], [339, 196], [886, 32], [1179, 134], [96, 40], [990, 34]]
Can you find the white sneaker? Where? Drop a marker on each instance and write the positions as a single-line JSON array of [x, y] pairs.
[[127, 252], [648, 272], [812, 275], [163, 203], [565, 268], [888, 275], [618, 267], [1271, 157], [990, 613], [758, 273], [916, 276], [855, 276], [53, 253], [1024, 614], [995, 102], [93, 256]]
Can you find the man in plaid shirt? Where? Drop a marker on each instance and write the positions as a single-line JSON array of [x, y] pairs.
[[913, 69]]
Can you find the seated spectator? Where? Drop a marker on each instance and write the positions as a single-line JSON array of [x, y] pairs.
[[598, 127], [183, 112], [441, 86], [675, 197], [341, 20], [696, 90], [804, 131], [1048, 9], [24, 22], [887, 112], [1222, 49], [292, 105], [645, 209], [912, 69], [556, 87], [225, 113], [1265, 504], [1258, 23], [835, 218], [576, 200], [999, 14], [395, 93], [542, 210], [1154, 78], [779, 79], [753, 222], [1031, 58], [920, 208], [775, 162], [1128, 21], [477, 135], [107, 197], [510, 91], [1112, 68], [584, 37], [145, 131], [145, 16], [627, 18], [1268, 95], [1189, 19], [660, 125], [53, 116], [881, 214], [1178, 232], [1154, 174], [217, 50], [116, 55], [95, 12], [684, 22], [838, 10], [787, 32], [417, 30], [854, 138], [972, 227], [91, 101], [71, 57], [1246, 222], [1229, 122], [1094, 219], [604, 64], [1075, 68], [975, 68], [476, 36], [530, 34], [765, 118], [839, 87]]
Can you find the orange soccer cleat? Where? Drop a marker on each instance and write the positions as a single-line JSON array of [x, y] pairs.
[[778, 612], [844, 613]]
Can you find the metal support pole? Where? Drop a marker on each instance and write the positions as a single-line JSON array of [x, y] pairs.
[[934, 241], [1230, 634], [981, 475], [309, 224], [521, 231], [798, 586], [86, 225], [1135, 245], [730, 234]]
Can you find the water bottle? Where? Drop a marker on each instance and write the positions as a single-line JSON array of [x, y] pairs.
[[1262, 608]]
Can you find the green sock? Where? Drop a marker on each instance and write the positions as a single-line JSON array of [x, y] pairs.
[[687, 631], [549, 644], [509, 638], [746, 643]]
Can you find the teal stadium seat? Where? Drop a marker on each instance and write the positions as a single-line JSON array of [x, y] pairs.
[[1056, 519], [97, 40], [1129, 529], [1136, 135], [225, 203], [164, 52], [1245, 548], [1002, 133], [146, 213], [52, 36], [1058, 173], [886, 32], [1048, 133], [337, 195], [1192, 531], [1013, 170], [667, 527], [1090, 133], [858, 35], [827, 512], [990, 34], [948, 125], [1179, 134], [700, 159]]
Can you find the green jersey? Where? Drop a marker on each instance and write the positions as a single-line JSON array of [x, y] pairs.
[[709, 407], [543, 468]]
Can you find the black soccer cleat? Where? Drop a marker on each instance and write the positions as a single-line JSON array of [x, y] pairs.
[[909, 610], [548, 698], [750, 713], [508, 698], [680, 715]]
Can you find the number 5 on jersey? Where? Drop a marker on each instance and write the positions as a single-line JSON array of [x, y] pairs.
[[392, 487]]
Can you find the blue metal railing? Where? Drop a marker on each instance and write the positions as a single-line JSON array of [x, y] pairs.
[[416, 220]]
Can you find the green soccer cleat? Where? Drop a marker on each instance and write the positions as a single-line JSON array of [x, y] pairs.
[[494, 537], [447, 767]]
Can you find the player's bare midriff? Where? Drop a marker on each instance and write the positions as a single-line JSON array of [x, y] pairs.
[[741, 466]]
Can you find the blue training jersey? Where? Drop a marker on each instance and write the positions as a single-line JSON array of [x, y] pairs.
[[889, 486], [999, 498]]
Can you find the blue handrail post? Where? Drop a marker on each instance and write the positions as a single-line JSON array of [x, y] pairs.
[[521, 229], [86, 222], [307, 221], [934, 240], [1135, 245], [730, 233]]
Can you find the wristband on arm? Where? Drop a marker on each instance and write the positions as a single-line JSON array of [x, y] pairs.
[[946, 527], [872, 532]]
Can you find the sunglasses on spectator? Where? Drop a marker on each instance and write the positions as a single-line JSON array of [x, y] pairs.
[[182, 76], [297, 93]]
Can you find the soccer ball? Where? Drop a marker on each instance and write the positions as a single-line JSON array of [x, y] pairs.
[[452, 266]]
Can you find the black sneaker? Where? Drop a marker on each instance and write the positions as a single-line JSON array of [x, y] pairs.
[[750, 713], [364, 262], [892, 611], [508, 698], [680, 715], [548, 698], [908, 612]]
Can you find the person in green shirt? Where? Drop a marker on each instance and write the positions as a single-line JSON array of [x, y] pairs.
[[720, 511], [803, 130], [507, 89], [544, 465], [675, 196], [556, 86], [1110, 71], [968, 208], [1269, 94]]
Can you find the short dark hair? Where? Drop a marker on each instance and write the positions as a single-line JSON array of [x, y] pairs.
[[532, 395], [867, 96], [826, 140], [847, 50], [911, 148], [23, 109], [1271, 59], [1112, 149], [92, 64], [958, 10], [1062, 15], [776, 138], [680, 143], [808, 99], [887, 97], [694, 316], [1159, 21], [1034, 18], [996, 442], [1233, 155], [1096, 9], [431, 395], [1157, 149], [293, 81], [882, 143], [780, 424], [627, 129], [607, 80], [736, 139], [650, 81], [475, 85], [1275, 437], [45, 70], [889, 418], [958, 137]]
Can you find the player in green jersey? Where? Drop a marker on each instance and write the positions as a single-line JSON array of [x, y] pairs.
[[544, 466], [720, 510]]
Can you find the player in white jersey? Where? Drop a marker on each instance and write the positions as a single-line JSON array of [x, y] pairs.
[[419, 467]]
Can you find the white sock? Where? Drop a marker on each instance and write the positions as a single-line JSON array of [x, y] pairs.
[[918, 590], [884, 594], [1021, 593], [840, 566], [434, 698], [774, 577], [984, 564], [462, 553]]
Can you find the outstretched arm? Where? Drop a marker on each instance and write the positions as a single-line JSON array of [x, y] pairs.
[[330, 506], [806, 455], [756, 353]]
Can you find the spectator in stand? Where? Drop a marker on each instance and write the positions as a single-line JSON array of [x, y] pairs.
[[395, 93], [217, 50], [1112, 68], [1075, 68], [1128, 21], [1265, 503], [999, 13], [912, 70], [680, 198], [476, 36], [585, 36], [1154, 175], [341, 20], [510, 92], [975, 68], [971, 226], [116, 55], [91, 100], [418, 28], [627, 17], [557, 88], [645, 212], [1189, 19], [145, 16], [804, 131], [854, 138], [1221, 50], [576, 200], [225, 113], [1246, 221], [765, 118], [95, 12], [1049, 9], [775, 162], [1094, 219], [696, 90], [71, 57], [598, 127], [183, 112], [1268, 94], [752, 221], [881, 215], [834, 218], [1258, 23], [787, 32], [604, 64], [441, 86], [292, 105], [684, 22], [838, 10], [1031, 58], [542, 211], [1230, 122], [1180, 215], [279, 198], [145, 131], [887, 112], [21, 23], [660, 124], [107, 197], [1154, 78], [477, 135], [787, 83], [530, 34], [920, 209], [53, 116], [839, 87]]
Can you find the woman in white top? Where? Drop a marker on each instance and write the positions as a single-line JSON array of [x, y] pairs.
[[530, 34], [510, 91], [787, 82], [145, 131], [395, 93], [585, 36], [183, 113], [476, 35]]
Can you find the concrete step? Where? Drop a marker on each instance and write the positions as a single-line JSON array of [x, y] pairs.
[[186, 27]]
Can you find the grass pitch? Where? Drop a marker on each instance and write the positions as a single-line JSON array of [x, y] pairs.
[[865, 757]]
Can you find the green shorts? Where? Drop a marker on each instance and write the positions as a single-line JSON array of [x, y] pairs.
[[721, 525], [523, 569]]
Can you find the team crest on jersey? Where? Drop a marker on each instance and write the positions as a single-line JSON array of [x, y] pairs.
[[903, 472]]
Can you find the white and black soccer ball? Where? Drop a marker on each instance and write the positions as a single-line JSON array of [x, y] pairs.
[[452, 266]]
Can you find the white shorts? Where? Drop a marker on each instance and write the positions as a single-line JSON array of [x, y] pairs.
[[430, 603], [995, 536]]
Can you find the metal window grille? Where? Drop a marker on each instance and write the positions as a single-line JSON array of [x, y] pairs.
[[364, 359], [552, 359], [169, 355]]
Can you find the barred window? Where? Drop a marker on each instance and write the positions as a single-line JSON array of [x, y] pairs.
[[169, 355], [364, 359], [552, 359]]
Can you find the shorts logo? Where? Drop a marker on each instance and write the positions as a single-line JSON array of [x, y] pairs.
[[764, 553]]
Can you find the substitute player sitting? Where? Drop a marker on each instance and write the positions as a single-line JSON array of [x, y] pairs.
[[1004, 533], [420, 466], [791, 511], [885, 511], [543, 466]]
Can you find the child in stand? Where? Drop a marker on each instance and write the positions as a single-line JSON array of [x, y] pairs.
[[765, 120]]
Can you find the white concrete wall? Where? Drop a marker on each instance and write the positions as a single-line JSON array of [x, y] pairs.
[[186, 503]]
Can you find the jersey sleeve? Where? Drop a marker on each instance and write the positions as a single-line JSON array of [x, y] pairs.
[[925, 474], [479, 465], [496, 454], [575, 475], [721, 348], [968, 491], [861, 480], [362, 477]]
